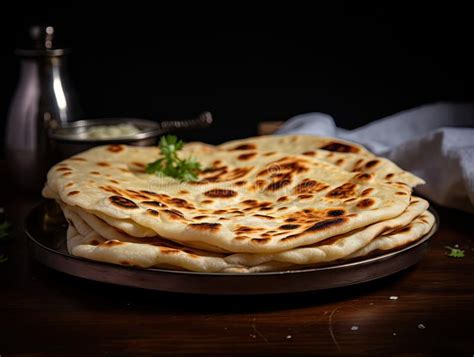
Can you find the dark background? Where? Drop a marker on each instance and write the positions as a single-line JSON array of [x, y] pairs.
[[355, 62]]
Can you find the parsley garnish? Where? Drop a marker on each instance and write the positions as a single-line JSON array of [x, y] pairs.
[[3, 258], [455, 253], [4, 231], [171, 165]]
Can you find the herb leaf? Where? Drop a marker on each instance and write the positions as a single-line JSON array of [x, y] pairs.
[[455, 253], [4, 231], [3, 258], [171, 165]]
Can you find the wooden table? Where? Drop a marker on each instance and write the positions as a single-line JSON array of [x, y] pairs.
[[45, 311]]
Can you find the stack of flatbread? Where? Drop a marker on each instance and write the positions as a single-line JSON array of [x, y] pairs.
[[260, 204]]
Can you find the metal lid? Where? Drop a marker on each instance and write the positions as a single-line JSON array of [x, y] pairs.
[[41, 41]]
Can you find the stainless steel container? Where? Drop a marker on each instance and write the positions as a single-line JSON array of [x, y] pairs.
[[43, 98], [72, 138]]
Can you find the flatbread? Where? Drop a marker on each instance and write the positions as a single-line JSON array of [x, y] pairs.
[[337, 247], [84, 241], [300, 143], [400, 237], [108, 231], [348, 156], [258, 202]]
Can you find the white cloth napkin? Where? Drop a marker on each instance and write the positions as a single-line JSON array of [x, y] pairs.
[[435, 142]]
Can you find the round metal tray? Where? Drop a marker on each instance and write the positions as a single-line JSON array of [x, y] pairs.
[[47, 244]]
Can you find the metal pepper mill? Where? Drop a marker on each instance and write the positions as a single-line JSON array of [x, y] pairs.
[[43, 99]]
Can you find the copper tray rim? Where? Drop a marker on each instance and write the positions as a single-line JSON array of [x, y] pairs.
[[40, 249]]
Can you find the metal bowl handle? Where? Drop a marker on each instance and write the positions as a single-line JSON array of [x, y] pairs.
[[202, 121]]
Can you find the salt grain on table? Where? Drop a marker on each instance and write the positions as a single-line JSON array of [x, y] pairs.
[[393, 297], [421, 326], [354, 328], [289, 337]]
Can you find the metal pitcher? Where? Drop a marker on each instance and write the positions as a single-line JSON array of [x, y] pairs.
[[43, 99]]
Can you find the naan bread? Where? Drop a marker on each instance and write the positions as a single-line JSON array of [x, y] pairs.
[[85, 242], [123, 225], [350, 157], [118, 248], [400, 237], [337, 247], [299, 143], [249, 202]]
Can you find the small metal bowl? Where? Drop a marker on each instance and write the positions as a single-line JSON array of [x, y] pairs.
[[72, 138]]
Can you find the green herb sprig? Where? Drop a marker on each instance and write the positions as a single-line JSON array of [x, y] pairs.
[[455, 253], [171, 165], [3, 258]]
